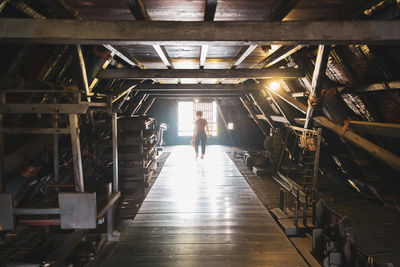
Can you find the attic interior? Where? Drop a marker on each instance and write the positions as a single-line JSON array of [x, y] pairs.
[[98, 103]]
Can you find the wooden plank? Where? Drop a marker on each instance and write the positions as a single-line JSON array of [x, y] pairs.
[[279, 119], [201, 239], [273, 247], [209, 260], [140, 74], [377, 128], [195, 33]]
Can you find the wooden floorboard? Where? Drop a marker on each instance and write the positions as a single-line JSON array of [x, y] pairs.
[[203, 213]]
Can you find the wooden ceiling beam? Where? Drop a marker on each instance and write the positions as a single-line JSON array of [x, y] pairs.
[[196, 87], [133, 74], [56, 31], [202, 93], [211, 96]]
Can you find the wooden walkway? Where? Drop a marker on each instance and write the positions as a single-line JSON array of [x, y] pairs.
[[203, 214]]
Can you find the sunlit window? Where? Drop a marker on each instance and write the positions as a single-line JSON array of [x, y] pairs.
[[187, 116]]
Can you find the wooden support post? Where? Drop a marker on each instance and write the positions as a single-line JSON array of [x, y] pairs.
[[319, 73], [55, 146], [76, 152], [88, 93], [114, 127], [221, 114], [2, 161], [83, 71]]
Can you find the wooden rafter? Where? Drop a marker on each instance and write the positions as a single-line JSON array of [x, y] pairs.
[[282, 8], [209, 11]]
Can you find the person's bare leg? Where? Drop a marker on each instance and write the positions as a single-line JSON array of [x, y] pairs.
[[203, 146], [196, 146]]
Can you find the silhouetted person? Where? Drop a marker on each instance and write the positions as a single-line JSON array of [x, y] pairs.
[[199, 135]]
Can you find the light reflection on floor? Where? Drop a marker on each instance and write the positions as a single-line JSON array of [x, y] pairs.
[[197, 182], [203, 213]]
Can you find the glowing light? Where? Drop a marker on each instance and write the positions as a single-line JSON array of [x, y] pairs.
[[230, 125], [274, 86], [196, 100]]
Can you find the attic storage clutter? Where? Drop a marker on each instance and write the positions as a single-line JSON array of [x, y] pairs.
[[98, 111]]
